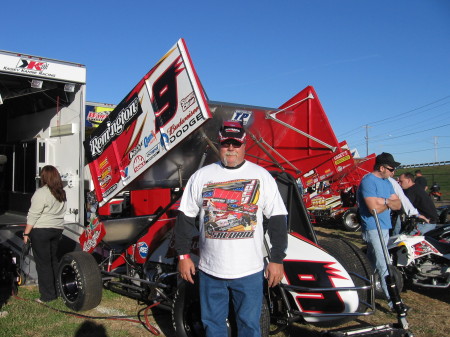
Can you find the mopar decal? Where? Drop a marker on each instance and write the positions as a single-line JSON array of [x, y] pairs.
[[164, 140]]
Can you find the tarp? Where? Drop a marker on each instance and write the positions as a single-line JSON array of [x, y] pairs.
[[165, 107]]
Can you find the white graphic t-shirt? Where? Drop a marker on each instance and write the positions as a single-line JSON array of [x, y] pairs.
[[231, 204]]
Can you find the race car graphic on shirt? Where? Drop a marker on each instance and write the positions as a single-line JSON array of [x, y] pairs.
[[230, 209]]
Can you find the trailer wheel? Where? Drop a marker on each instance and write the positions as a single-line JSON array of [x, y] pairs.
[[186, 316], [354, 261], [350, 220], [79, 281]]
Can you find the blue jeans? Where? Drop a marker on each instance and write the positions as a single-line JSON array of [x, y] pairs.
[[423, 228], [246, 294], [397, 227], [376, 256]]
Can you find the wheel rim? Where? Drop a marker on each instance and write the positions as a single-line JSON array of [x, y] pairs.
[[69, 283], [351, 221]]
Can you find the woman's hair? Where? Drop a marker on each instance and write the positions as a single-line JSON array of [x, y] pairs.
[[50, 177]]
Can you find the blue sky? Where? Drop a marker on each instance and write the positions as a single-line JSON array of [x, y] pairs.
[[385, 64]]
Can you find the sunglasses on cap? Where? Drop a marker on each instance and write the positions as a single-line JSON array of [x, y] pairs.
[[389, 169], [232, 142]]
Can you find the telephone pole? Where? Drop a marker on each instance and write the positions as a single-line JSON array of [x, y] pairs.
[[435, 149], [367, 138]]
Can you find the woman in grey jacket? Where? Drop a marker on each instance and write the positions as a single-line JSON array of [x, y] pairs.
[[45, 224]]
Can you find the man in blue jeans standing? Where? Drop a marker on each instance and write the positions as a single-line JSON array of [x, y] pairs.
[[231, 197], [375, 192]]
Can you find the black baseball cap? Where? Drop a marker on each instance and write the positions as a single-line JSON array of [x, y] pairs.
[[232, 130], [386, 159]]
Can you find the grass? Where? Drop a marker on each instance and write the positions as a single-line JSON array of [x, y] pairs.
[[29, 318], [439, 174], [429, 316]]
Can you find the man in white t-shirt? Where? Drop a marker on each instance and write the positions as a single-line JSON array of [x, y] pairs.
[[407, 207], [231, 197]]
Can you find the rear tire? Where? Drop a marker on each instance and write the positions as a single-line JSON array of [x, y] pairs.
[[79, 281], [350, 220], [355, 261]]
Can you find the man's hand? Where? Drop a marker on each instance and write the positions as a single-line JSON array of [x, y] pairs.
[[186, 269], [394, 202], [424, 218], [274, 273]]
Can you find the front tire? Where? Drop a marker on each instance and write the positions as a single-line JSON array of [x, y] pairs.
[[79, 281], [186, 316]]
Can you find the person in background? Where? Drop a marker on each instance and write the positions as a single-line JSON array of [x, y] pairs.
[[45, 224], [375, 192], [407, 207], [435, 191], [418, 197], [232, 196], [420, 180]]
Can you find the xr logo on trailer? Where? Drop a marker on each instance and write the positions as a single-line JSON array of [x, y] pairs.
[[32, 65]]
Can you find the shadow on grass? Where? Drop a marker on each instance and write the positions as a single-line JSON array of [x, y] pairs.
[[91, 329], [440, 294]]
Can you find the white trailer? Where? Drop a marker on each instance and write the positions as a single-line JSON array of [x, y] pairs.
[[42, 118]]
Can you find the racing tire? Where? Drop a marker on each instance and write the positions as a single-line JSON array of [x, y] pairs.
[[79, 281], [398, 278], [354, 261], [186, 315], [350, 220]]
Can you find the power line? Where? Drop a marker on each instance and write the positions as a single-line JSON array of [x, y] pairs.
[[396, 116], [405, 135], [423, 150]]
